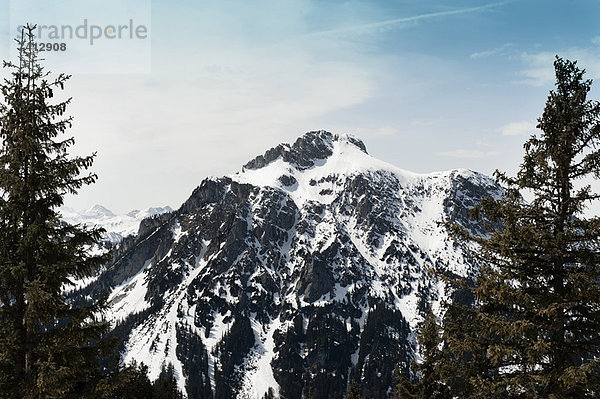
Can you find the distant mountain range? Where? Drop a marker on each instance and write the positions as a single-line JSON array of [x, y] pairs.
[[117, 226], [308, 268]]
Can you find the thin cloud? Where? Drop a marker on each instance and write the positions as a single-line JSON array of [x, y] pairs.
[[491, 52], [419, 122], [483, 143], [469, 154], [517, 128], [414, 18], [539, 69]]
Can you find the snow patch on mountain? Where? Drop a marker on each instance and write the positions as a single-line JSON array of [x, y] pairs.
[[129, 297], [259, 377]]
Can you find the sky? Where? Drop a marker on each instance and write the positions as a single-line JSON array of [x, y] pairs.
[[427, 85]]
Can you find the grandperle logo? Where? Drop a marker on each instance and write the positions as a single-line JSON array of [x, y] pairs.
[[90, 32]]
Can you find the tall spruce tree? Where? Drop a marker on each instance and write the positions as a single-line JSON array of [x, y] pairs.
[[48, 348], [534, 330]]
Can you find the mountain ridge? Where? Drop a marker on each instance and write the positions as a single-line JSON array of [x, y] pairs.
[[306, 269]]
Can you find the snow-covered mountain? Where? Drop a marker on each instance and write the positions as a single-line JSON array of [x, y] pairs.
[[117, 226], [309, 267]]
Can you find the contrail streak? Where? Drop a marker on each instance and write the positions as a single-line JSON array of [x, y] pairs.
[[390, 22]]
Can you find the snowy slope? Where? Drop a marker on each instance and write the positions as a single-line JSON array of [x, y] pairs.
[[312, 246]]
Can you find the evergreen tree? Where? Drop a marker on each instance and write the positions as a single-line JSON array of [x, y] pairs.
[[165, 386], [353, 391], [534, 329], [48, 348], [138, 384], [194, 358], [432, 377], [405, 388], [270, 394], [233, 347], [380, 352]]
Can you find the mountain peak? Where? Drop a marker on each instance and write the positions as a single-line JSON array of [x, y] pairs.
[[149, 212], [308, 148], [314, 241], [99, 210]]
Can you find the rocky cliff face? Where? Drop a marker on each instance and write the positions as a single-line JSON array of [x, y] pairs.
[[309, 267]]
